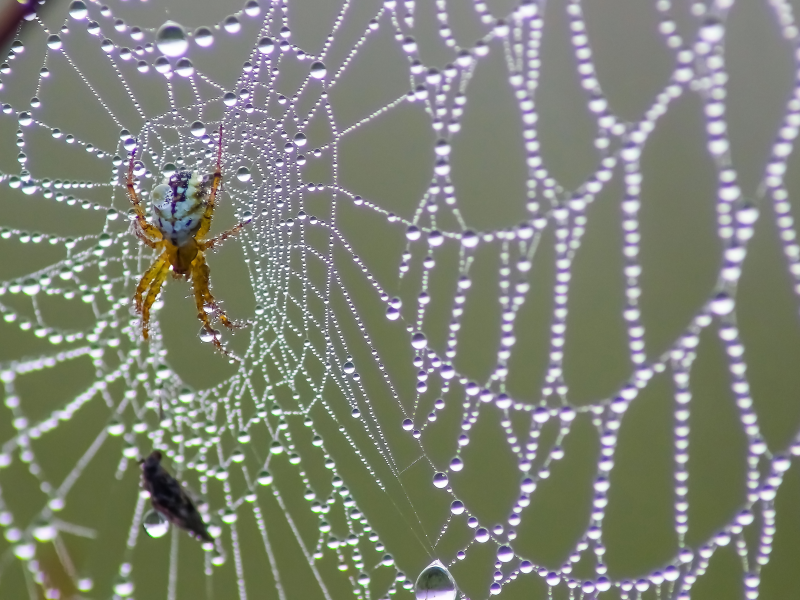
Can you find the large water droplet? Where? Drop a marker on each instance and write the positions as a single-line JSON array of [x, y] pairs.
[[435, 583], [155, 524], [123, 587], [45, 531], [229, 99], [318, 70], [469, 239], [251, 8], [440, 480], [712, 30], [266, 45], [171, 39], [54, 42], [184, 68], [722, 304], [78, 10], [198, 129], [208, 336], [504, 554], [232, 24], [243, 174], [203, 37], [419, 341]]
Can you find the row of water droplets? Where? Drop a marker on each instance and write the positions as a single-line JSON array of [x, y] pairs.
[[171, 41]]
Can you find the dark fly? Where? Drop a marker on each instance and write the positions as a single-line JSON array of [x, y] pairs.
[[170, 499]]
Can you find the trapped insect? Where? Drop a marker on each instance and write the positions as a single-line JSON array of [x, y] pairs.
[[183, 206], [170, 499]]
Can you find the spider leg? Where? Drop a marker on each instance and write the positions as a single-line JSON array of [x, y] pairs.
[[211, 203], [219, 239], [147, 280], [158, 278], [201, 278], [146, 232]]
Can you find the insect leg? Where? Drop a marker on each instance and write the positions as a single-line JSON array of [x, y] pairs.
[[158, 278]]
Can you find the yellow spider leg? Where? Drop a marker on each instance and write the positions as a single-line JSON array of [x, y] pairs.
[[211, 203], [201, 277], [158, 280], [202, 272], [147, 279], [146, 232], [219, 239]]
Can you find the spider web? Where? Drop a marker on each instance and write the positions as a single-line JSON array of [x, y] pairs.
[[455, 352]]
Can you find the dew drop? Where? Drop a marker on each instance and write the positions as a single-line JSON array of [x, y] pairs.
[[25, 119], [251, 8], [29, 187], [54, 42], [243, 174], [442, 147], [208, 336], [266, 45], [232, 24], [78, 10], [30, 287], [203, 37], [264, 478], [25, 551], [229, 99], [504, 554], [456, 464], [435, 583], [392, 313], [162, 65], [712, 30], [198, 129], [419, 341], [722, 304], [469, 239], [171, 39], [155, 524], [440, 480], [318, 70], [184, 68], [123, 587], [44, 531], [300, 140]]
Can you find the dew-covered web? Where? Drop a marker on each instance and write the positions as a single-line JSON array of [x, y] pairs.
[[353, 438]]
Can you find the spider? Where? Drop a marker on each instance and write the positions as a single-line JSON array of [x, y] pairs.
[[183, 206]]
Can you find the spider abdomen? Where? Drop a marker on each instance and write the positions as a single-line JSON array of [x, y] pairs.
[[178, 206]]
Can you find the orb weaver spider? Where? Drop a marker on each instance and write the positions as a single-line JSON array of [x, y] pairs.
[[183, 206]]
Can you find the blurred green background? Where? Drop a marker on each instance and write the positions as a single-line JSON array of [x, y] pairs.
[[389, 162]]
